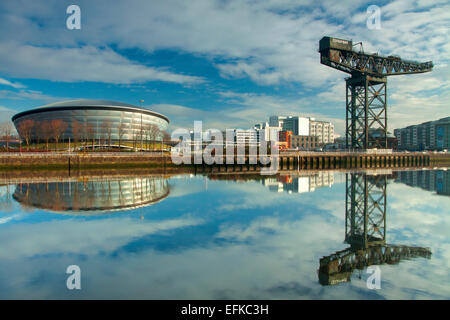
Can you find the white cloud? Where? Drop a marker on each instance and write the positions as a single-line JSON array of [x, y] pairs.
[[90, 237], [28, 95], [86, 63], [15, 85], [270, 42], [243, 110]]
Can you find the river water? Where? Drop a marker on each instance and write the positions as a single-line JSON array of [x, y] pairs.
[[308, 235]]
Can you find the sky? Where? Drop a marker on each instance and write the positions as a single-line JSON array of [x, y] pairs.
[[230, 64]]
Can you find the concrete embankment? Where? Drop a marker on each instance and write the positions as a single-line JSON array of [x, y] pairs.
[[75, 161], [292, 160]]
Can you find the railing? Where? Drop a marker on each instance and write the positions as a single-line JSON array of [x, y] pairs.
[[81, 153]]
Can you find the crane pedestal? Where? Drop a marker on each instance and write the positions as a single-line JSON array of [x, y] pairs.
[[366, 115]]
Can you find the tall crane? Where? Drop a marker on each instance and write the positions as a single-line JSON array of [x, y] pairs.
[[365, 231], [366, 89]]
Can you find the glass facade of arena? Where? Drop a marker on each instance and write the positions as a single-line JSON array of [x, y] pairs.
[[91, 120], [95, 196]]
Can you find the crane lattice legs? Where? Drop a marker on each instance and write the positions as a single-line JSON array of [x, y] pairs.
[[365, 209], [366, 120]]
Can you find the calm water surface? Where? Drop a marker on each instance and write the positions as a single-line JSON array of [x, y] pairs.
[[197, 237]]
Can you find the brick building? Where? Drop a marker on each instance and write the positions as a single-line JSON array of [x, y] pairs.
[[304, 142]]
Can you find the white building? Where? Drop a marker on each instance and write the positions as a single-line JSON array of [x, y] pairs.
[[276, 121], [270, 133], [298, 125], [323, 130], [301, 126]]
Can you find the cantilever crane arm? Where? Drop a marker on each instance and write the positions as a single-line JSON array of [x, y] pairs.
[[356, 62], [345, 261]]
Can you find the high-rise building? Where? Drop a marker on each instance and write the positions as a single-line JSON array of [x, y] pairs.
[[245, 136], [270, 132], [301, 126], [276, 121], [323, 130], [298, 125], [429, 135]]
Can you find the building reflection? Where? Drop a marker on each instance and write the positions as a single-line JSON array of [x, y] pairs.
[[365, 231], [299, 182], [5, 198], [94, 196], [431, 180]]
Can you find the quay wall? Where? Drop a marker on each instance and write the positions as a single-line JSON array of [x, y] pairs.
[[286, 161]]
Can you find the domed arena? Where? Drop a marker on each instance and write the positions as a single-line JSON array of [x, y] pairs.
[[93, 122]]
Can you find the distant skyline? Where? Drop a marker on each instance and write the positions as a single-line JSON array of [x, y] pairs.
[[227, 63]]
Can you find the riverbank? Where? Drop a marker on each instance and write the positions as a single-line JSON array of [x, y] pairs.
[[46, 176], [163, 161], [77, 161]]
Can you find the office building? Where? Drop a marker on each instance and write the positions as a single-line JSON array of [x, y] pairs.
[[323, 130], [430, 135], [304, 142], [301, 126]]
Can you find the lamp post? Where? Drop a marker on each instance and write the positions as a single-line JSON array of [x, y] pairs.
[[142, 141]]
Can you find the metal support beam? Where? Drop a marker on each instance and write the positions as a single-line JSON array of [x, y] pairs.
[[366, 112], [365, 210]]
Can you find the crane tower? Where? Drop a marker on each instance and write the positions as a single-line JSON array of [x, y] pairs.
[[365, 231], [366, 89]]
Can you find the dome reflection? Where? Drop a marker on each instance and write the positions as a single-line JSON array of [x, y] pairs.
[[93, 196]]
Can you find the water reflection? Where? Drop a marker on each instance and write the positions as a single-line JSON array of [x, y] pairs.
[[299, 182], [430, 180], [218, 239], [99, 195], [365, 231], [6, 203]]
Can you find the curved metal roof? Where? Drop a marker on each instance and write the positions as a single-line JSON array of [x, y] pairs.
[[88, 104]]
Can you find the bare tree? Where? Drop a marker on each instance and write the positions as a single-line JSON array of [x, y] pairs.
[[154, 133], [26, 130], [90, 131], [165, 137], [77, 128], [107, 128], [44, 131], [136, 129], [146, 133], [58, 127], [121, 131], [135, 138], [85, 134], [6, 132]]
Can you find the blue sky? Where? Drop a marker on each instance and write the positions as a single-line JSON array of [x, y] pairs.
[[228, 63]]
